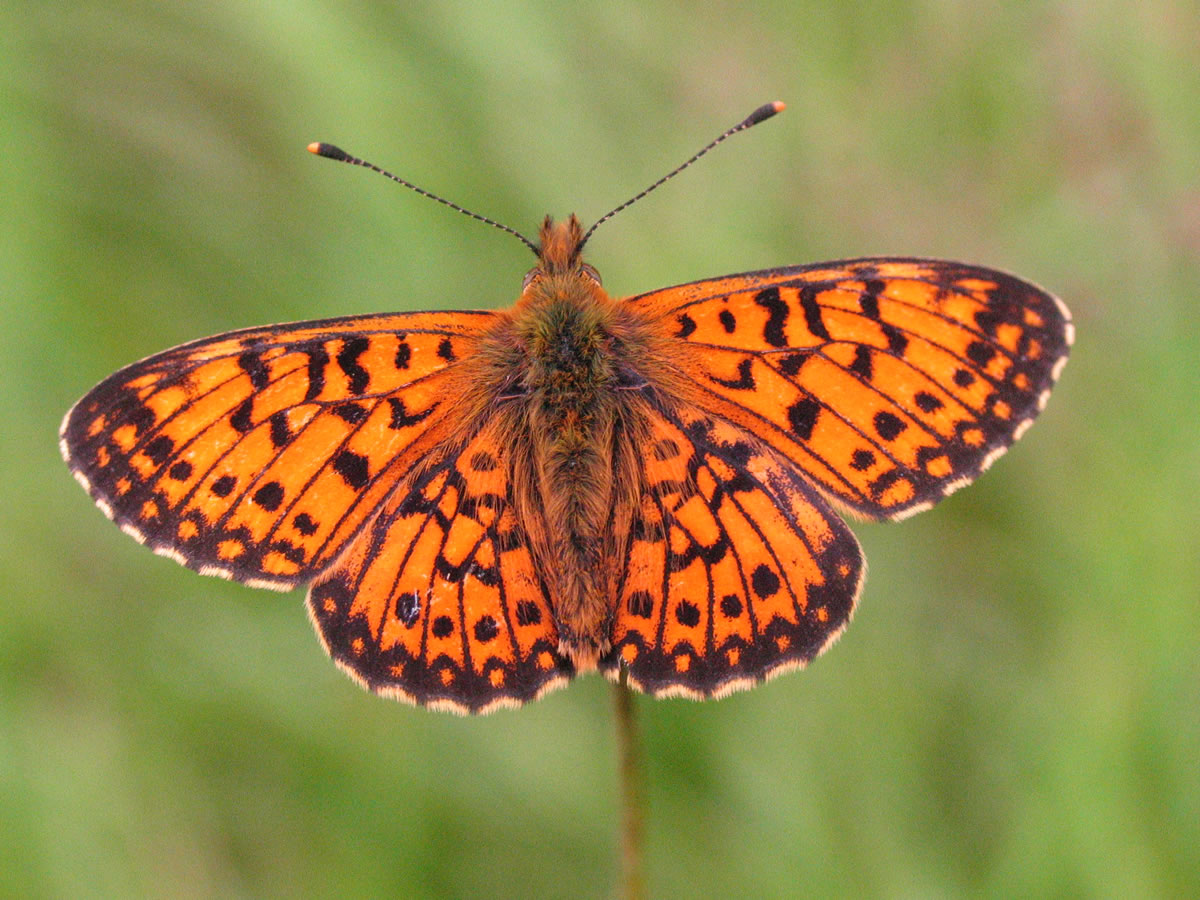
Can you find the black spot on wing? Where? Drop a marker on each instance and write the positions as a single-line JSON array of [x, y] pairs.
[[802, 416], [640, 604], [528, 613], [353, 469], [403, 354], [764, 581], [884, 481], [240, 419], [790, 364], [861, 460], [484, 462], [812, 312], [142, 417], [159, 449], [897, 342], [269, 496], [280, 433], [777, 314], [351, 413], [687, 614], [402, 418], [224, 485], [868, 301], [862, 365], [305, 525], [927, 402], [252, 365], [980, 353], [744, 381], [408, 608], [318, 360], [486, 629], [888, 426], [347, 360]]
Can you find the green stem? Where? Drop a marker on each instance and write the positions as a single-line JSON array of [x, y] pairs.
[[633, 884]]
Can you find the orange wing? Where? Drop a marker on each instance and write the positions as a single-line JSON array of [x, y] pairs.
[[737, 570], [438, 601], [258, 454], [888, 382]]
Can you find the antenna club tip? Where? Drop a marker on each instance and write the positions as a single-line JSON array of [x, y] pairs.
[[764, 112], [328, 151]]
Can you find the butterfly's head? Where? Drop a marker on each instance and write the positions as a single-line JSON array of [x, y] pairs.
[[559, 256], [559, 245]]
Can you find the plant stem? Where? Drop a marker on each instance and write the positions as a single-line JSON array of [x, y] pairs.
[[633, 885]]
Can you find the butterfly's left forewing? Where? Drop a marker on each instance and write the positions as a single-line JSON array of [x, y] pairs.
[[258, 454]]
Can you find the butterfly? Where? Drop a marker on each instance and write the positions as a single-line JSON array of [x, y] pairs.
[[487, 503]]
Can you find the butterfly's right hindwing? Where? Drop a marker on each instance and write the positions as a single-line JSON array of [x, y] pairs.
[[736, 570]]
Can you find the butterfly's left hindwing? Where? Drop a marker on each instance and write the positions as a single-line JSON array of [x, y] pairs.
[[439, 602], [258, 454]]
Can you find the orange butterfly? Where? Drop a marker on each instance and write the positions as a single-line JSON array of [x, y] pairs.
[[488, 502]]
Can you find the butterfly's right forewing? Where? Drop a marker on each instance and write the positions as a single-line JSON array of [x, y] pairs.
[[888, 382]]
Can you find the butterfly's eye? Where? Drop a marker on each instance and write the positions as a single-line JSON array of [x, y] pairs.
[[530, 276], [590, 272]]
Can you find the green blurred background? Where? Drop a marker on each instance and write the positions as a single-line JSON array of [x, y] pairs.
[[1014, 712]]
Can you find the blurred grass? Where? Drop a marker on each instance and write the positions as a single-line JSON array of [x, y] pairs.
[[1014, 711]]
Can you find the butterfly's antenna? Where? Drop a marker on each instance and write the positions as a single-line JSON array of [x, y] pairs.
[[331, 152], [761, 114]]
